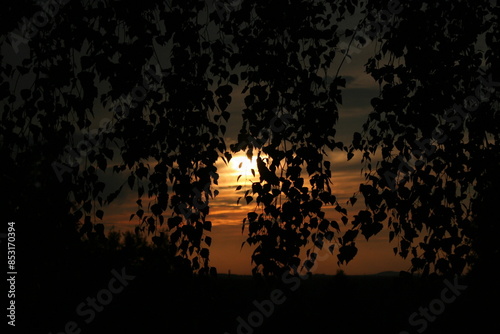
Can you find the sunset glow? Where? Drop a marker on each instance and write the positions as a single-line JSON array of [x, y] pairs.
[[243, 166]]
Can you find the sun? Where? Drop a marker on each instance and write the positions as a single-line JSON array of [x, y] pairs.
[[243, 166]]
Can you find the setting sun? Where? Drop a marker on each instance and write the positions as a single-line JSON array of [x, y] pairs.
[[243, 166]]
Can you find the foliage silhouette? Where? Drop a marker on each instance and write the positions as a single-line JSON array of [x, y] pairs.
[[82, 67], [435, 123], [180, 61], [286, 77]]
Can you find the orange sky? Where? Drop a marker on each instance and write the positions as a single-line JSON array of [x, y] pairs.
[[226, 215], [225, 254], [374, 256]]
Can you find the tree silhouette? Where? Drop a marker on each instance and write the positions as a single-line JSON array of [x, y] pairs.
[[156, 79], [435, 123], [289, 119], [95, 62]]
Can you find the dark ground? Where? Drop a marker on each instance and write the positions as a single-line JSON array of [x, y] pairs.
[[154, 303]]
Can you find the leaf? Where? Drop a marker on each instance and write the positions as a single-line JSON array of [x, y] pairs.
[[347, 253], [335, 225], [204, 253], [156, 210], [233, 79], [323, 226], [266, 174], [349, 236], [111, 197], [208, 241], [238, 188], [252, 216], [131, 181], [224, 90], [174, 222], [344, 220], [207, 225], [101, 162], [99, 214]]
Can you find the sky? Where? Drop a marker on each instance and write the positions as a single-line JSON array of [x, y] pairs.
[[226, 251]]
